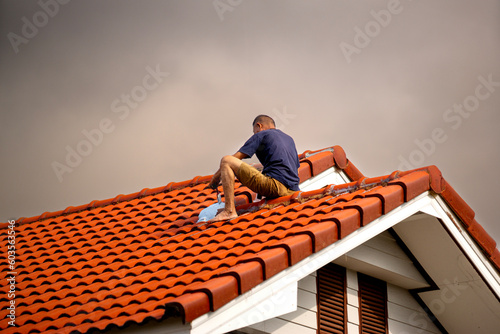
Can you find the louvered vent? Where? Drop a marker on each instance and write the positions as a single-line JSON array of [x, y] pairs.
[[372, 305], [331, 280]]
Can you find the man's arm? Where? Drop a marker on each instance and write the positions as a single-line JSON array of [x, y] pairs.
[[240, 155], [214, 183]]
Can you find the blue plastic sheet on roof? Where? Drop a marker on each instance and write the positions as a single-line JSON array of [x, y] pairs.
[[211, 211]]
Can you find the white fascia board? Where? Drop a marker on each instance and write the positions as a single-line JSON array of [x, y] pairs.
[[276, 292], [255, 306], [330, 176], [465, 242]]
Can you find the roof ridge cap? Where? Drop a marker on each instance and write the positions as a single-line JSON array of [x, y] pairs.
[[436, 181], [328, 190]]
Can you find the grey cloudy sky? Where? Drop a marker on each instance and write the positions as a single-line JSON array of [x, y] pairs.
[[100, 98]]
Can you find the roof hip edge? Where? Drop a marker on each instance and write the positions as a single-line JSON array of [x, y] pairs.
[[464, 212], [339, 160], [339, 156], [440, 186]]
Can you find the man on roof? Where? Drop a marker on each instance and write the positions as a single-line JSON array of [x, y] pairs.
[[276, 152]]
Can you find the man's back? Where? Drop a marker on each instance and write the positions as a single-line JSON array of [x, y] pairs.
[[277, 153]]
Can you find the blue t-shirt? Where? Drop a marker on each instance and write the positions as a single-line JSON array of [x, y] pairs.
[[277, 153]]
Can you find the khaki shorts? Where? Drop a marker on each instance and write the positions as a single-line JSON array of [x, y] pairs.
[[263, 185]]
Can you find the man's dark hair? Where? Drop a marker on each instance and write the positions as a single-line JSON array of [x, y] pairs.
[[264, 119]]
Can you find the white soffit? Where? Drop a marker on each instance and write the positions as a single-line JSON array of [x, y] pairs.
[[471, 250], [467, 296]]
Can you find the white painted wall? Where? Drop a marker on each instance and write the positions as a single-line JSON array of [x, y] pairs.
[[405, 314], [382, 258], [301, 321], [330, 176], [352, 302]]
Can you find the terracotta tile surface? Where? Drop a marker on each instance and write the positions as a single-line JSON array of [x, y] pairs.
[[144, 256]]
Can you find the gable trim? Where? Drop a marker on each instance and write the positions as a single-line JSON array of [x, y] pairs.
[[255, 306], [468, 246]]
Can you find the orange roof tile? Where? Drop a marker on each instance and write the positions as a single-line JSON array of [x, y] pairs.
[[144, 256]]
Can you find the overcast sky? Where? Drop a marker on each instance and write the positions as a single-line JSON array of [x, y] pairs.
[[100, 98]]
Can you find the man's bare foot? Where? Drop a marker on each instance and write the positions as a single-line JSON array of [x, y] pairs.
[[223, 216]]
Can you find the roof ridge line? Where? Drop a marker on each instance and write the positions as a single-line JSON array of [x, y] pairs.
[[328, 190]]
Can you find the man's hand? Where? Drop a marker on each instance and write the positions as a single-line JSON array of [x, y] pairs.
[[214, 183]]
